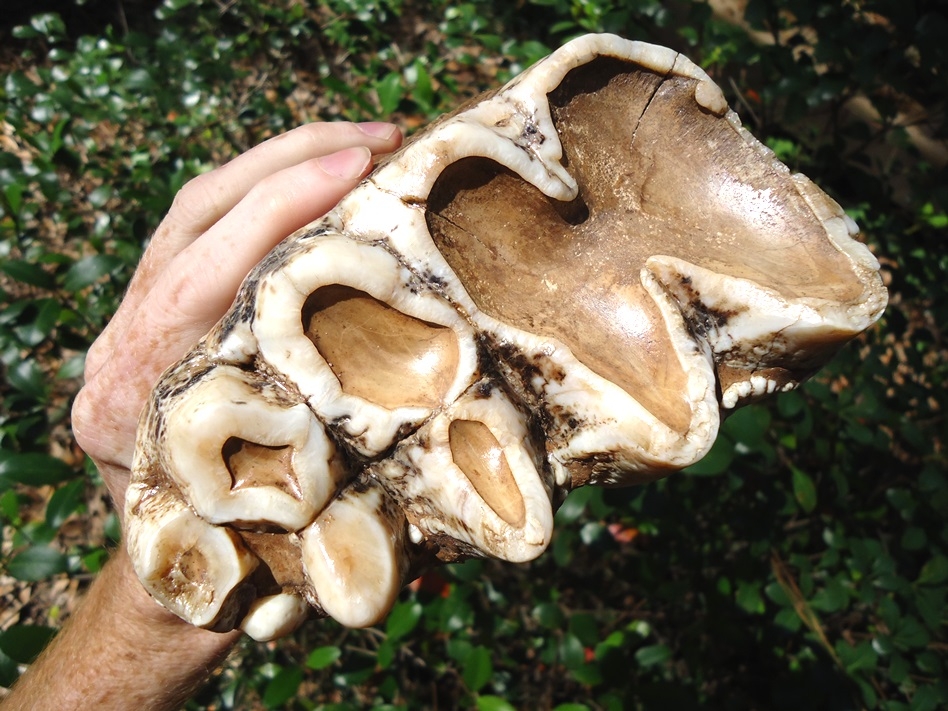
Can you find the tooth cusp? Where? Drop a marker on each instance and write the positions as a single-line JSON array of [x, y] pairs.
[[274, 616], [194, 569], [241, 451], [356, 333], [354, 556], [471, 474]]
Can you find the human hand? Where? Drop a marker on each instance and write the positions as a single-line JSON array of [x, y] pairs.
[[221, 224], [120, 650]]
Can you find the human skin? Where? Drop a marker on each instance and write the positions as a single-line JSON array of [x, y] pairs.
[[121, 650]]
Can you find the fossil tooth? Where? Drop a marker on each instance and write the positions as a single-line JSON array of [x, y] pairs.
[[241, 453], [487, 493], [362, 338], [192, 567], [570, 281], [274, 616], [355, 556]]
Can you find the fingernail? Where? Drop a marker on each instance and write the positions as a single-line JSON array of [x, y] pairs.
[[346, 164], [377, 129]]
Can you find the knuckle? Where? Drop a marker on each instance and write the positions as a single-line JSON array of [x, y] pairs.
[[195, 201], [85, 409]]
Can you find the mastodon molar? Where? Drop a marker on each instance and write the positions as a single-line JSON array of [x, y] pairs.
[[571, 281]]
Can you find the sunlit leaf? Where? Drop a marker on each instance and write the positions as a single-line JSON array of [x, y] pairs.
[[89, 270]]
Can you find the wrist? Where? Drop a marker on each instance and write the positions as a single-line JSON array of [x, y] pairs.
[[121, 650]]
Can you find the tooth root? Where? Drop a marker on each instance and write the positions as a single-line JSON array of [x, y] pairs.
[[377, 352], [354, 557], [193, 568], [274, 616], [242, 453], [479, 455]]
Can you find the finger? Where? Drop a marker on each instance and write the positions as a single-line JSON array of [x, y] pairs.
[[196, 289], [205, 285], [205, 199]]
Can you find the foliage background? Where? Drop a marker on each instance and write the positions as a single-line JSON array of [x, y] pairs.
[[803, 564]]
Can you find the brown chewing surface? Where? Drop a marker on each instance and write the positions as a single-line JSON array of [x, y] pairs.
[[378, 353], [479, 455], [186, 577], [252, 465], [657, 175]]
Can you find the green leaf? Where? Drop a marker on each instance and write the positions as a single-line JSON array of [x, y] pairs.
[[574, 505], [748, 596], [467, 571], [572, 652], [94, 561], [140, 80], [652, 655], [89, 270], [930, 603], [403, 619], [749, 426], [458, 649], [910, 634], [478, 668], [37, 563], [614, 641], [28, 377], [64, 502], [14, 195], [914, 538], [859, 658], [585, 627], [831, 598], [804, 491], [934, 572], [24, 32], [422, 91], [322, 657], [49, 24], [549, 615], [282, 687], [41, 326], [9, 671], [35, 469], [716, 461], [493, 703], [385, 654], [27, 272], [72, 368], [389, 91], [23, 643], [10, 507]]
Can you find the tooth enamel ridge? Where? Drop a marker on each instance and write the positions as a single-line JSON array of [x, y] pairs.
[[570, 281]]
